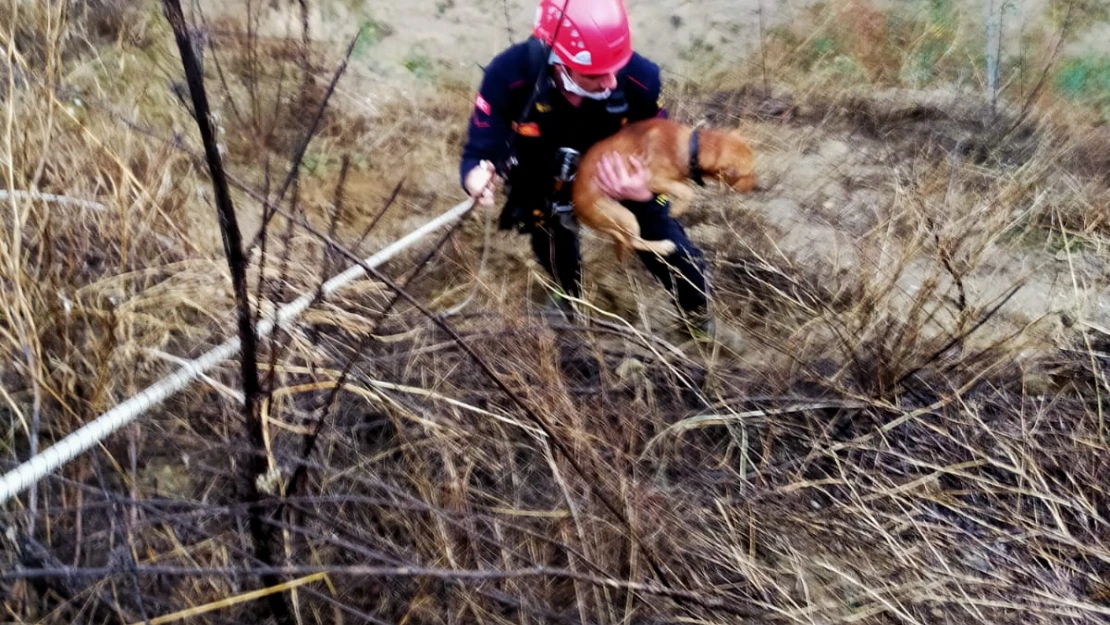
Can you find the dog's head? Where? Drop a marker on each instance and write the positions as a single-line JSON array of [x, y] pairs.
[[733, 161]]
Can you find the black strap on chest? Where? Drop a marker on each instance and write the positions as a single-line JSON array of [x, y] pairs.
[[538, 53], [695, 165]]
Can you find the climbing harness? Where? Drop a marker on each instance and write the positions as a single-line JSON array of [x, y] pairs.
[[561, 205]]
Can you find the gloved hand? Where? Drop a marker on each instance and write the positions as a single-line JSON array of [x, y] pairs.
[[481, 182]]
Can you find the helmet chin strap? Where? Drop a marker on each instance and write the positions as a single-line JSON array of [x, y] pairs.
[[572, 87]]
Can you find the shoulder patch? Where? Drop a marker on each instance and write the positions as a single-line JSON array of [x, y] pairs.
[[482, 105]]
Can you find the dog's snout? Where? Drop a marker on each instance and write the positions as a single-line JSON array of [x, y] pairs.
[[743, 184]]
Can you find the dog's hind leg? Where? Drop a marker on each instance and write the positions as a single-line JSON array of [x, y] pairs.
[[623, 241], [663, 247], [622, 224], [679, 193]]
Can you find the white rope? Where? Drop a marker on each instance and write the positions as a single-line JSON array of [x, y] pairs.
[[51, 198], [106, 424]]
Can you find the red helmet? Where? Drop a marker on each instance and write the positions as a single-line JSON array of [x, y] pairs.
[[594, 37]]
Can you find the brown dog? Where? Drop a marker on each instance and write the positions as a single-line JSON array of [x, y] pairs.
[[673, 153]]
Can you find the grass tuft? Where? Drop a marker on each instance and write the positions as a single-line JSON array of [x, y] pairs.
[[904, 421]]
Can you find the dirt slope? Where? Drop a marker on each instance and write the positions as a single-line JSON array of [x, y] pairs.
[[827, 188]]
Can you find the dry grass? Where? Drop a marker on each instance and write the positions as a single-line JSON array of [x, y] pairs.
[[902, 437]]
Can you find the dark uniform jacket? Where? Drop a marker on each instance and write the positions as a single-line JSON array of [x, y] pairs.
[[525, 143]]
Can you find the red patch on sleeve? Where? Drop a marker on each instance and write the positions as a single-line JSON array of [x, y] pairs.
[[482, 105]]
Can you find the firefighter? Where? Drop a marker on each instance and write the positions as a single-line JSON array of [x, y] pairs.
[[541, 104]]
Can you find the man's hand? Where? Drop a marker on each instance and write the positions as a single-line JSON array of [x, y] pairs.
[[620, 184], [481, 182]]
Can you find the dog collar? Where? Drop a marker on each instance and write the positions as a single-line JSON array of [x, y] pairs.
[[695, 166]]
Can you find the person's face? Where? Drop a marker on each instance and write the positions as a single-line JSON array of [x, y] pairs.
[[594, 83]]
